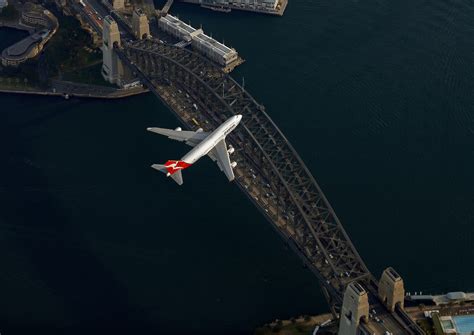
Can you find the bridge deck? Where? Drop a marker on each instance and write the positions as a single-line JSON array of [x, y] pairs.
[[269, 169]]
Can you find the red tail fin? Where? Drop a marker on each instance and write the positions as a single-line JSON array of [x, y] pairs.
[[175, 166]]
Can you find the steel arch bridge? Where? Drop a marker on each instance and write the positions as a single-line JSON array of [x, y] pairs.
[[301, 213]]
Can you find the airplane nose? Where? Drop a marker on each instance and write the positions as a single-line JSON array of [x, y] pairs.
[[239, 117]]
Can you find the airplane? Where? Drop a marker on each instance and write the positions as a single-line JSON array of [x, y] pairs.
[[204, 143]]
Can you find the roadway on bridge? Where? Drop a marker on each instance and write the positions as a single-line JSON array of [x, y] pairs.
[[260, 180]]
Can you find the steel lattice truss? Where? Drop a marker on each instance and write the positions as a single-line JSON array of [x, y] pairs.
[[313, 228]]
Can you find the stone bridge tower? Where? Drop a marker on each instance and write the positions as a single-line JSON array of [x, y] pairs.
[[355, 308], [391, 289], [140, 24], [112, 68]]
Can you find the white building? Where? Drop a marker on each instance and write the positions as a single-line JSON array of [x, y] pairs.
[[3, 4], [244, 4], [206, 45], [273, 7]]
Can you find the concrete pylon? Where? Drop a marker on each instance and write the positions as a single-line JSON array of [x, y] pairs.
[[140, 25], [118, 4], [355, 307], [112, 68], [391, 289]]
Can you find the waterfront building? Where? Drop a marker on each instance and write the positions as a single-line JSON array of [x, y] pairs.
[[275, 7], [442, 299], [36, 16], [206, 45], [251, 4], [25, 49]]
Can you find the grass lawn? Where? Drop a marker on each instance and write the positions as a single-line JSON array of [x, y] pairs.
[[87, 75], [9, 13], [66, 50]]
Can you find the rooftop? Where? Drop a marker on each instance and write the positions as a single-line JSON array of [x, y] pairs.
[[444, 298], [197, 34], [19, 49], [177, 23]]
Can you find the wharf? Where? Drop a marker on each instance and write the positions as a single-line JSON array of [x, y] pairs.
[[281, 6], [69, 89]]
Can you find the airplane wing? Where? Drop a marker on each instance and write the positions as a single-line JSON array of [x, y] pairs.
[[191, 138], [219, 153]]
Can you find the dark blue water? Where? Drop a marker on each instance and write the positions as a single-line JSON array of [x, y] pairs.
[[376, 96]]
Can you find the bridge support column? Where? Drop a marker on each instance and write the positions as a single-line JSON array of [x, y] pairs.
[[355, 307], [140, 24], [118, 4], [112, 68], [391, 289]]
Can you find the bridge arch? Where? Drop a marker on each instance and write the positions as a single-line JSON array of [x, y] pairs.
[[305, 218]]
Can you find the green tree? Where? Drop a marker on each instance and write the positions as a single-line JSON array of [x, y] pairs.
[[9, 13]]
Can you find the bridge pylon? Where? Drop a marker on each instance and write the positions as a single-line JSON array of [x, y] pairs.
[[355, 308], [112, 68], [118, 4], [391, 289], [140, 24]]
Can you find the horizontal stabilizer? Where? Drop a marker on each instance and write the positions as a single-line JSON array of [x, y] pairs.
[[177, 176], [160, 168]]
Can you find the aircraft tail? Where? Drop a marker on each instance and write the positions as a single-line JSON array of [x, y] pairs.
[[172, 169]]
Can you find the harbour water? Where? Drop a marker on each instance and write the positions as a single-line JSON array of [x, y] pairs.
[[375, 95]]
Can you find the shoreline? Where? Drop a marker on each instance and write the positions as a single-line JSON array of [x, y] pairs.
[[300, 325], [107, 93]]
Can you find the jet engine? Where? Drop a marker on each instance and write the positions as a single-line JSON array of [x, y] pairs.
[[230, 150], [233, 164], [178, 129], [200, 130]]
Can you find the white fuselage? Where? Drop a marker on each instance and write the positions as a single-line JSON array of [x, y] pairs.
[[210, 142]]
